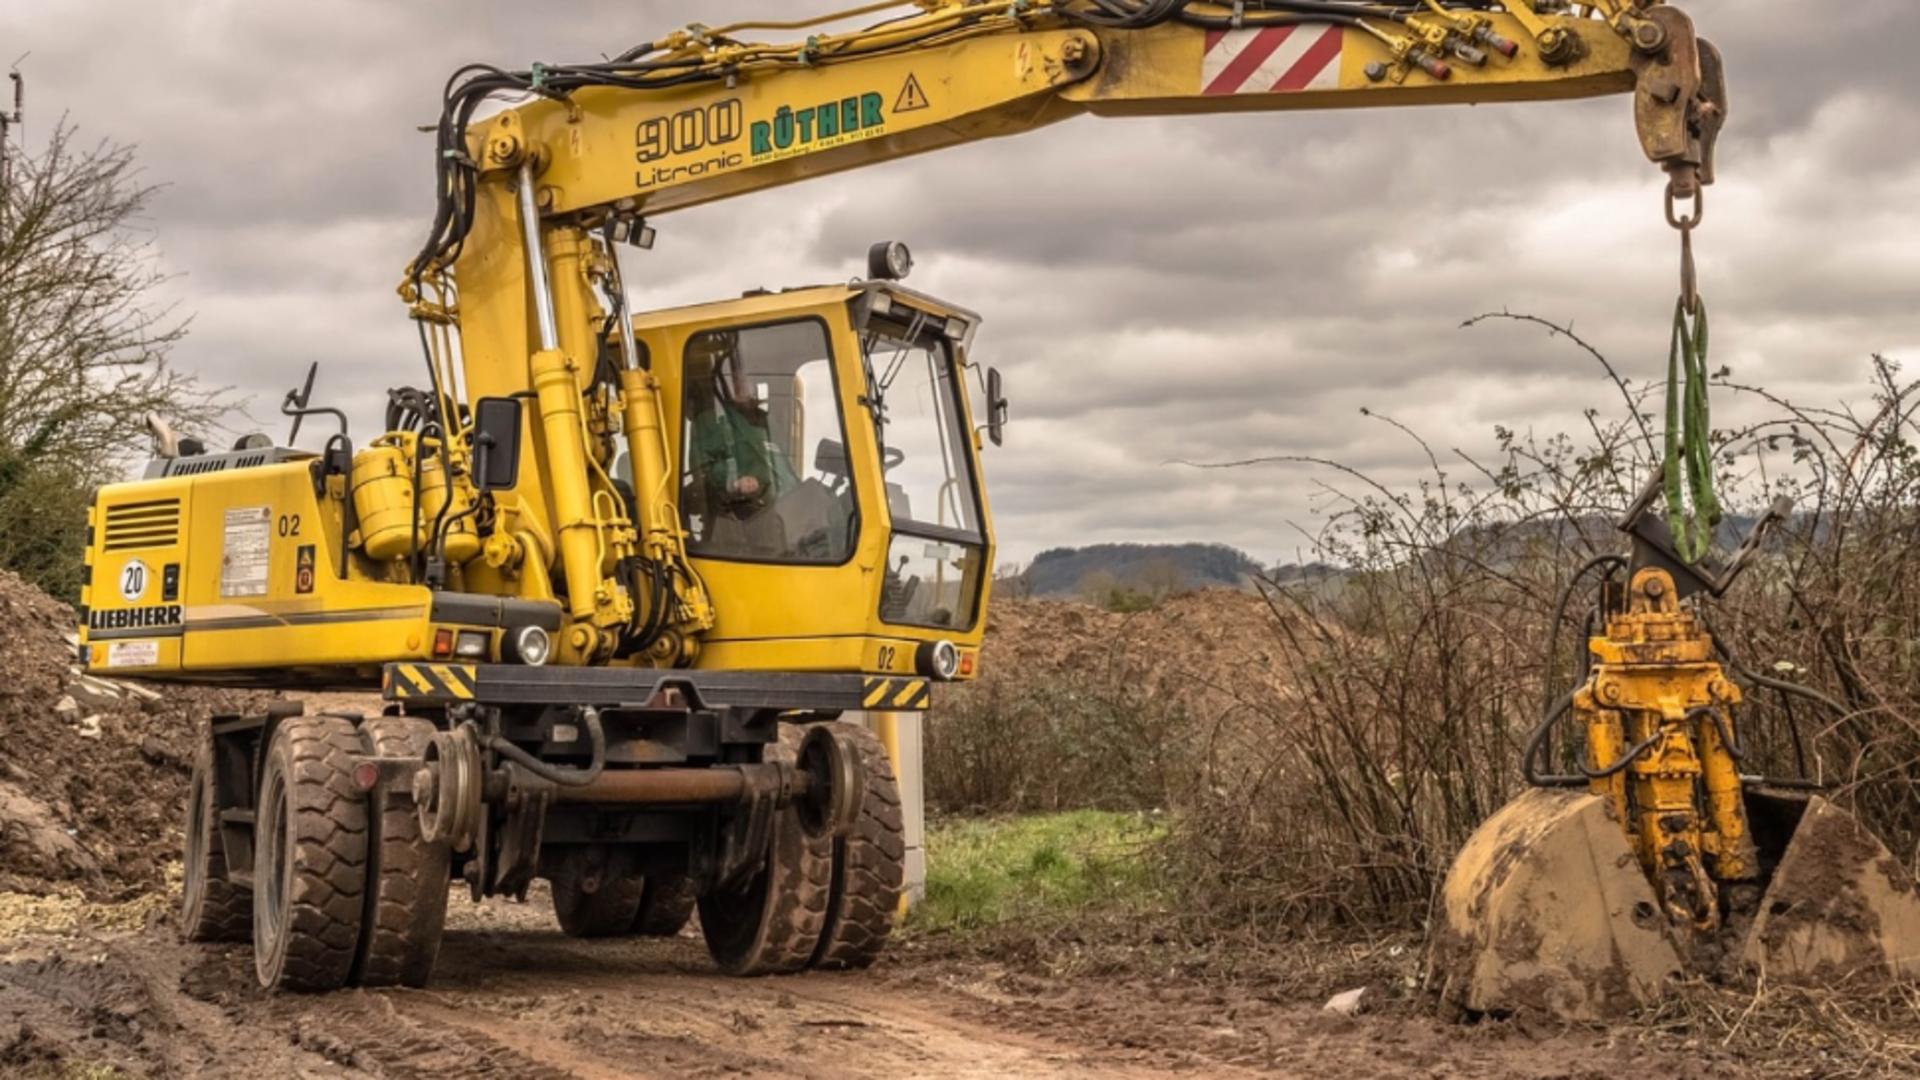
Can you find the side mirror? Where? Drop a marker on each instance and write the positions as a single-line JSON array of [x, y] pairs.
[[996, 407], [496, 443]]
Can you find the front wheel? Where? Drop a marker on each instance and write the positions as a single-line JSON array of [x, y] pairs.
[[665, 905], [772, 924], [407, 876], [869, 863]]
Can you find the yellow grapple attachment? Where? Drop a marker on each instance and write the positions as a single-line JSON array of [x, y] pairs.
[[1586, 896]]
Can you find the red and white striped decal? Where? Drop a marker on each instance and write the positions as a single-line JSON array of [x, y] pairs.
[[1273, 60]]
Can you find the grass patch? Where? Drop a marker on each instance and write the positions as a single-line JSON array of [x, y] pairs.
[[1040, 869]]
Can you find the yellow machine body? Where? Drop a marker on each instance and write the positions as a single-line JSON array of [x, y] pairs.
[[242, 564], [233, 574]]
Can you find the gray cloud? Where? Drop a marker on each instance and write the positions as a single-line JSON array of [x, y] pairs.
[[1202, 289]]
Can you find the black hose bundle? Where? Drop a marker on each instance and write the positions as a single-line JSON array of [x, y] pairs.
[[456, 175]]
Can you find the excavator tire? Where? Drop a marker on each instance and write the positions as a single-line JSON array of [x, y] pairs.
[[597, 893], [211, 907], [310, 857], [407, 878], [772, 924], [665, 905], [869, 864]]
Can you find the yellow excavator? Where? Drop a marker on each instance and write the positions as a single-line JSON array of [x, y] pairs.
[[620, 576]]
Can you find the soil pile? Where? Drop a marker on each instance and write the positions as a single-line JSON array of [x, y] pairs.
[[93, 772], [1080, 707], [1215, 646]]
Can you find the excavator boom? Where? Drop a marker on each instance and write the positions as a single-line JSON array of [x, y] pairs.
[[736, 118]]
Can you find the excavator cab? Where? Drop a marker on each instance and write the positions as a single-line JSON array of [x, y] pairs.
[[829, 477]]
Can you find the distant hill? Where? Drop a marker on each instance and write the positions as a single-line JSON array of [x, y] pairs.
[[1153, 568], [1105, 573]]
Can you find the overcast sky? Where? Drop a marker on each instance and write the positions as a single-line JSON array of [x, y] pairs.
[[1202, 288]]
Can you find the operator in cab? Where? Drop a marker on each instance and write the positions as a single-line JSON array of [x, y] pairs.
[[736, 470]]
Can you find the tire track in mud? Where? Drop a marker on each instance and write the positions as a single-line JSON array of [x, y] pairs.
[[660, 1003], [515, 998]]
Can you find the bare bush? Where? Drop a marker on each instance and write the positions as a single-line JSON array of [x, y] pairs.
[[1056, 743], [84, 346], [1420, 675]]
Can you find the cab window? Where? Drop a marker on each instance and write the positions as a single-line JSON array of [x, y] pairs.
[[936, 559], [764, 459]]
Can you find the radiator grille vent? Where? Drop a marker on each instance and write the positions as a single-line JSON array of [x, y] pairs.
[[143, 525]]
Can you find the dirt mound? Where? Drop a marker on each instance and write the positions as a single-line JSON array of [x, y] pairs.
[[1217, 643], [1079, 707], [93, 772]]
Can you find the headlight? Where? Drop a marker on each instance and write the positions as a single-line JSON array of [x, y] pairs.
[[529, 645], [889, 261], [938, 660], [472, 644]]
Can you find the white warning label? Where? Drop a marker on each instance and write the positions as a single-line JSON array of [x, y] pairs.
[[133, 654], [246, 555]]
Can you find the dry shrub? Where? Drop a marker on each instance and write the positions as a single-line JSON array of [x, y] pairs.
[[1057, 743], [1420, 673], [1082, 707]]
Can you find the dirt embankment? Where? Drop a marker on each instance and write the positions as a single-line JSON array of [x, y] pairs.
[[1210, 641], [92, 771]]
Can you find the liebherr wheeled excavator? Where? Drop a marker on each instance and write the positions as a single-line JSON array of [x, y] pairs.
[[619, 576]]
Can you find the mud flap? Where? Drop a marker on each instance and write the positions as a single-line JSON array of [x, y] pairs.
[[1839, 905], [1546, 909]]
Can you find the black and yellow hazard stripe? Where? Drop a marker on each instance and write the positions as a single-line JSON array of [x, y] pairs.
[[439, 682], [897, 695]]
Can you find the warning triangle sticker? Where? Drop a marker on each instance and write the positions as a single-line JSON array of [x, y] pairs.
[[912, 98]]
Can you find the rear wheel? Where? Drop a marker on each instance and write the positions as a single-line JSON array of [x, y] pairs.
[[596, 892], [869, 863], [772, 924], [407, 878], [310, 857], [665, 905], [211, 907]]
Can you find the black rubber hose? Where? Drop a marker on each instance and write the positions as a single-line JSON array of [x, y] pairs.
[[1538, 739], [1719, 715], [1560, 615], [1785, 687], [1626, 759]]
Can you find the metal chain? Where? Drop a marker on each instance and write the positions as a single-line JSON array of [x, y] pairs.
[[1685, 224], [1688, 468]]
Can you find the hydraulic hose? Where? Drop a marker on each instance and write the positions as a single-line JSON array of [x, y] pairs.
[[1538, 740], [1633, 754], [560, 774]]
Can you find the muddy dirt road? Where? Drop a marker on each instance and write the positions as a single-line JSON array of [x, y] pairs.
[[514, 998]]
